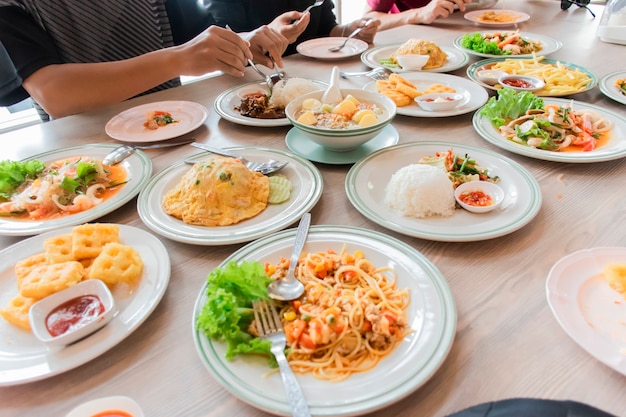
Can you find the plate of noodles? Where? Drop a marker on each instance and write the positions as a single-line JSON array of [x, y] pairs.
[[496, 17], [579, 292], [608, 127], [379, 57], [136, 170], [368, 180], [304, 177], [561, 78], [383, 380]]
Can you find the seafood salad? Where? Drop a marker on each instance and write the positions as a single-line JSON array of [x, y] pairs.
[[34, 190], [500, 43]]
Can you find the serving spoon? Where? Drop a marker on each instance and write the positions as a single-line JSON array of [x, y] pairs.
[[288, 287]]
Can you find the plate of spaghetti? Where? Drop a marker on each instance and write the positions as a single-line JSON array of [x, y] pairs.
[[361, 371], [496, 18]]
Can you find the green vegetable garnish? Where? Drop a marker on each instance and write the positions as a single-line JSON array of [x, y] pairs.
[[85, 174], [228, 310], [510, 104], [15, 173], [476, 42]]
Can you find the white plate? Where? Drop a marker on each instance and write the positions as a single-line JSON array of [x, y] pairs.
[[306, 148], [138, 170], [548, 45], [307, 189], [318, 48], [607, 86], [128, 125], [489, 62], [614, 149], [456, 58], [24, 359], [474, 15], [586, 307], [432, 314], [226, 102], [367, 179], [474, 96]]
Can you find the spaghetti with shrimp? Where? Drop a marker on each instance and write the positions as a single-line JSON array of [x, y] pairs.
[[350, 317]]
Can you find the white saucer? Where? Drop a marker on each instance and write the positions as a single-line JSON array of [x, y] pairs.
[[302, 146]]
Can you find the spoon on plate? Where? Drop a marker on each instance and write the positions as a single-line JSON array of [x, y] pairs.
[[288, 287], [122, 152]]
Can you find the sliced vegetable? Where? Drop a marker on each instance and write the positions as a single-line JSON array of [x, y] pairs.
[[15, 173], [280, 189]]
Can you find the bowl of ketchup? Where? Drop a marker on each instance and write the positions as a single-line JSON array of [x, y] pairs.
[[114, 406], [479, 196], [521, 82], [72, 314]]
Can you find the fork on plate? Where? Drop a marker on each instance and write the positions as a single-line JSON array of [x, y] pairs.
[[380, 73], [269, 327]]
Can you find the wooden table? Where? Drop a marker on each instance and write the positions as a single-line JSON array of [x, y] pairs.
[[508, 343]]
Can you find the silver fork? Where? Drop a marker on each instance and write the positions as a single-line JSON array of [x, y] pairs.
[[380, 73], [270, 328], [350, 36], [264, 168]]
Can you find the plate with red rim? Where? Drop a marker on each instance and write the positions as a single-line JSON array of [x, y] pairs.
[[318, 48], [138, 169], [512, 17], [128, 126], [586, 307], [24, 359]]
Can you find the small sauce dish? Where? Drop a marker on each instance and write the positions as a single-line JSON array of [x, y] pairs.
[[439, 101], [479, 196], [489, 76], [72, 314], [412, 62], [521, 82], [252, 90], [114, 406]]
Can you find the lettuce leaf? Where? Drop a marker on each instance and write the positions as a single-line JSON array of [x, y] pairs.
[[228, 310], [477, 42], [510, 104], [15, 173]]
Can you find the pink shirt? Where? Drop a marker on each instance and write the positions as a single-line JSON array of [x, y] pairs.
[[395, 6]]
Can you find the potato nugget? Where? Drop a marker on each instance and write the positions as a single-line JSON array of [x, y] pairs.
[[23, 267], [89, 239], [48, 279], [439, 88], [397, 79], [58, 249], [400, 99], [382, 85], [117, 263], [16, 311], [408, 91]]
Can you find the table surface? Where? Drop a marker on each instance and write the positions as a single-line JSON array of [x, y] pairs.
[[507, 344]]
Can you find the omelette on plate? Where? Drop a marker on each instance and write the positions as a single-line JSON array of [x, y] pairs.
[[422, 47], [217, 191]]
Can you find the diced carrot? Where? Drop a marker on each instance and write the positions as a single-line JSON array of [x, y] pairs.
[[306, 342], [367, 326]]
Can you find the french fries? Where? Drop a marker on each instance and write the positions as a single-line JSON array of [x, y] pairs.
[[559, 79]]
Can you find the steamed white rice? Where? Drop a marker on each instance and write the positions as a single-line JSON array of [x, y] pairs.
[[286, 90], [420, 190]]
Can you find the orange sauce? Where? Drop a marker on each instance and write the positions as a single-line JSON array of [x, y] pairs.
[[112, 413], [601, 141], [477, 198]]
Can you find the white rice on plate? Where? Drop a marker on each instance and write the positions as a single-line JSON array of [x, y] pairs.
[[420, 190], [286, 90]]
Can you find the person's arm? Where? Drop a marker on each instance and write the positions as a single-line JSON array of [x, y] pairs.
[[367, 34], [422, 15], [64, 89]]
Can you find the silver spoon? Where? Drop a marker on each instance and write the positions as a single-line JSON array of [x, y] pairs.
[[288, 287], [122, 152], [317, 3], [350, 36]]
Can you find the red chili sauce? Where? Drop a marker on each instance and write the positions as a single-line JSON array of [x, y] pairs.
[[73, 314], [112, 413], [476, 198], [429, 100], [516, 82]]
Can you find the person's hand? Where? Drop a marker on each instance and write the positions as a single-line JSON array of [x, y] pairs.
[[265, 40], [215, 49], [367, 34], [291, 24], [437, 9]]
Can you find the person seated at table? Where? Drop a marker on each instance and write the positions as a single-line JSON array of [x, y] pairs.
[[393, 13], [73, 57], [286, 17]]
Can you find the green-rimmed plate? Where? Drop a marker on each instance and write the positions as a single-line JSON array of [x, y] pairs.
[[431, 314], [138, 169], [367, 179], [548, 45], [488, 63], [608, 87], [456, 58], [307, 189], [615, 148]]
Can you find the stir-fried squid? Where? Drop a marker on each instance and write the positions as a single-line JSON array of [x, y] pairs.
[[66, 186], [555, 128]]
